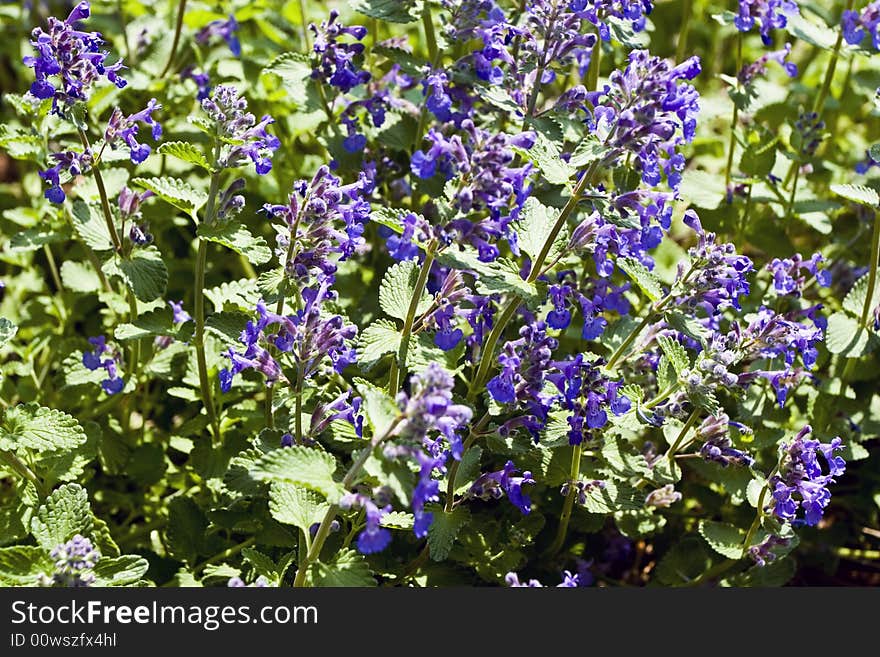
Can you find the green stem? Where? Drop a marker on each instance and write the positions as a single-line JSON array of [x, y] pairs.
[[136, 344], [199, 311], [229, 552], [791, 198], [760, 514], [398, 367], [23, 471], [181, 9], [304, 25], [595, 66], [298, 404], [872, 270], [686, 13], [832, 65], [662, 395], [267, 407], [624, 346], [324, 528], [453, 469], [430, 36], [568, 505], [676, 445], [53, 269], [123, 27], [102, 192], [728, 170]]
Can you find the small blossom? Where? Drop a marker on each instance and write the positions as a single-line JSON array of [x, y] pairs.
[[74, 562]]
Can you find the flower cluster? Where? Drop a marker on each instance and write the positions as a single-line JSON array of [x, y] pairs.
[[768, 14], [749, 72], [238, 583], [336, 60], [857, 25], [75, 164], [800, 482], [129, 204], [244, 137], [520, 383], [587, 394], [125, 128], [599, 11], [648, 111], [226, 29], [93, 360], [373, 538], [75, 57], [568, 581], [322, 218], [788, 276], [494, 485], [717, 445], [74, 561], [310, 336]]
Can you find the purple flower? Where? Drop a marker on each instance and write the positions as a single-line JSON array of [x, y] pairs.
[[93, 360], [336, 60], [763, 552], [178, 314], [758, 68], [223, 28], [769, 14], [324, 218], [373, 538], [74, 561], [202, 80], [243, 136], [568, 581], [717, 445], [787, 276], [856, 25], [493, 485], [75, 57], [74, 163], [125, 128], [801, 482]]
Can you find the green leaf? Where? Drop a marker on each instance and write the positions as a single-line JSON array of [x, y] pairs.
[[468, 469], [294, 505], [295, 72], [444, 529], [227, 325], [392, 11], [855, 299], [758, 159], [89, 224], [144, 272], [774, 574], [379, 339], [183, 150], [65, 513], [726, 539], [301, 466], [185, 534], [39, 428], [845, 336], [675, 352], [378, 406], [857, 194], [498, 277], [21, 565], [875, 152], [120, 571], [397, 288], [7, 330], [176, 192], [688, 325], [79, 277], [589, 150], [33, 239], [533, 229], [155, 322], [611, 497], [546, 157], [639, 274], [237, 237], [684, 562], [815, 34], [398, 520], [347, 569], [702, 189]]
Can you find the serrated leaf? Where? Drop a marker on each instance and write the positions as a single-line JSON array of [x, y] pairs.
[[185, 533], [79, 277], [468, 469], [65, 513], [646, 280], [176, 192], [40, 429], [546, 157], [378, 406], [675, 352], [444, 530], [7, 330], [157, 322], [398, 520], [347, 569], [237, 237], [773, 574], [144, 272], [392, 11], [227, 325], [294, 505], [858, 194], [21, 565], [702, 189], [90, 226], [379, 339], [533, 229], [498, 277], [726, 539], [855, 299], [611, 497], [589, 150], [845, 336], [687, 325], [301, 466], [397, 288], [120, 571], [684, 562], [815, 34], [186, 152], [32, 239]]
